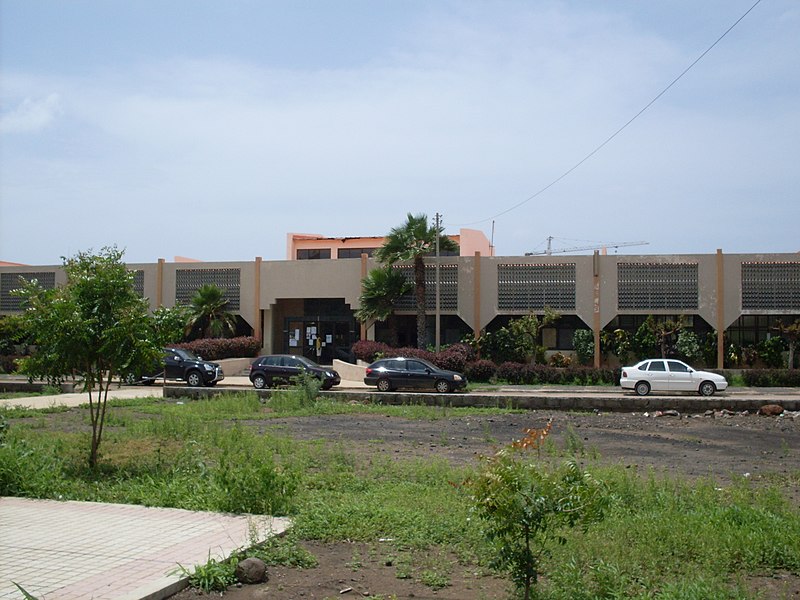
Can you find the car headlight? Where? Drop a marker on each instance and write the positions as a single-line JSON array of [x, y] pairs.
[[329, 374], [456, 377], [208, 367]]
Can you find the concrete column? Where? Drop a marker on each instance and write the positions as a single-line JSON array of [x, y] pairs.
[[476, 326], [257, 319], [720, 310], [160, 283], [596, 307], [363, 334]]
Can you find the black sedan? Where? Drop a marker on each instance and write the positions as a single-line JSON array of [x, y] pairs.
[[392, 373], [267, 371]]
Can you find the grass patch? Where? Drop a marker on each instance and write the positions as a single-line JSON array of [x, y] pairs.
[[661, 538]]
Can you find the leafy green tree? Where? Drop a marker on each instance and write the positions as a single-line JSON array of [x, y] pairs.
[[380, 289], [583, 342], [771, 351], [208, 314], [688, 345], [527, 508], [413, 241], [526, 332], [618, 342], [791, 333], [95, 326], [645, 343], [169, 324]]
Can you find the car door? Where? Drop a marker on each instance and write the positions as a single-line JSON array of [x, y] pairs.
[[658, 376], [680, 376], [173, 364], [417, 374], [290, 367]]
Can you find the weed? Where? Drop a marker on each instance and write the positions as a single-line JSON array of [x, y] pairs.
[[213, 576], [573, 444], [434, 579]]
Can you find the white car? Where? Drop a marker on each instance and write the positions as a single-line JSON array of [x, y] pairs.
[[668, 375]]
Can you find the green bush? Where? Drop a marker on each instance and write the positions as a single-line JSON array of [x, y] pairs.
[[771, 352], [583, 342]]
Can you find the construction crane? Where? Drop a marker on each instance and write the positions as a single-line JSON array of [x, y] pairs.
[[596, 246]]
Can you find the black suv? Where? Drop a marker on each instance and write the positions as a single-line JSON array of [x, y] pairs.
[[269, 370], [182, 365]]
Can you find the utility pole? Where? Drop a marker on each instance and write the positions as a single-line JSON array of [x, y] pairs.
[[438, 326]]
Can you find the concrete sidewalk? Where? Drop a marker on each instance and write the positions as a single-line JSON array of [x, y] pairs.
[[87, 550]]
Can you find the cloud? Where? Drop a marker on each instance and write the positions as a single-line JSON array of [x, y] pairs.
[[31, 115]]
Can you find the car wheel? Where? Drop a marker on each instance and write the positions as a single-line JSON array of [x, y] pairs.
[[642, 388], [194, 379], [384, 385], [442, 386], [130, 379], [707, 388], [260, 382]]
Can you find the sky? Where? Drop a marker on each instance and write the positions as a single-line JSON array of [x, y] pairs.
[[212, 129]]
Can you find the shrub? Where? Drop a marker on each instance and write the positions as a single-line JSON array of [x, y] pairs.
[[560, 360], [219, 348], [583, 342], [369, 351], [480, 370], [8, 363], [409, 352], [512, 372], [771, 352], [455, 357], [771, 377]]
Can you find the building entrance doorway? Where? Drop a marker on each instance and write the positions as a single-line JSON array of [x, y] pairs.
[[320, 339]]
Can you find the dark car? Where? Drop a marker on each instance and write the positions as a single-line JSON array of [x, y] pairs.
[[182, 365], [392, 373], [267, 371]]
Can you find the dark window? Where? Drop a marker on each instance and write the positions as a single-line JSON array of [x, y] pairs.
[[677, 367], [657, 365], [354, 252], [416, 366], [313, 253]]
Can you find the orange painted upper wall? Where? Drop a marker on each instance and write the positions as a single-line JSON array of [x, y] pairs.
[[469, 241]]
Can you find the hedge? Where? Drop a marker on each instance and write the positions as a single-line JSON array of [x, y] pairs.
[[219, 348], [771, 377]]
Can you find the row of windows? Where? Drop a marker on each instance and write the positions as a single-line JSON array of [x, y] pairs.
[[324, 253]]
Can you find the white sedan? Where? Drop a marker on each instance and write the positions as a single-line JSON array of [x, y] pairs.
[[668, 375]]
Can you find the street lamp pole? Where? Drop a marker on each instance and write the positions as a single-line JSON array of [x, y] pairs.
[[438, 325]]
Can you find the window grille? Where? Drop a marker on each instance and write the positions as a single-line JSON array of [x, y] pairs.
[[771, 286], [188, 281], [526, 287], [448, 288], [657, 286], [14, 281], [138, 282]]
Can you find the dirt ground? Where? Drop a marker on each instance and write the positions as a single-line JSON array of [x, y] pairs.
[[724, 446]]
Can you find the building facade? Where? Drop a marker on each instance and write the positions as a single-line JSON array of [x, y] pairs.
[[290, 305]]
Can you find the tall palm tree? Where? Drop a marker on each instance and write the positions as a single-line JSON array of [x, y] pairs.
[[208, 314], [380, 289], [413, 241]]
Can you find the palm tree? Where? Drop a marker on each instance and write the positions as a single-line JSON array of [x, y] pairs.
[[413, 241], [208, 313], [380, 289]]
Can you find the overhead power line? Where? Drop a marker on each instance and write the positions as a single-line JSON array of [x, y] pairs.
[[621, 129]]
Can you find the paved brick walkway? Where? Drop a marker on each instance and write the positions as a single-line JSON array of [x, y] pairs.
[[86, 550]]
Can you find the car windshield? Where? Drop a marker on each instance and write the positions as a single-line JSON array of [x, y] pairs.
[[185, 354], [307, 362]]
